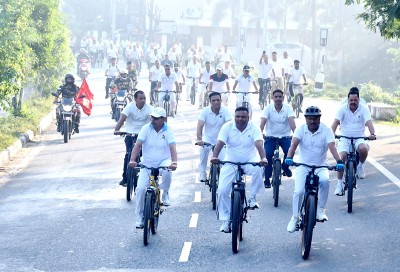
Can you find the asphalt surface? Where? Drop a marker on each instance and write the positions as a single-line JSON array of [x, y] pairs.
[[61, 209]]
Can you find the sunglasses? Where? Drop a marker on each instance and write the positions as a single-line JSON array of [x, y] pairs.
[[155, 118]]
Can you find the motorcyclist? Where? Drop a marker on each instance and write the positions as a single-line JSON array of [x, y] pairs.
[[82, 55], [68, 89], [122, 82], [132, 73]]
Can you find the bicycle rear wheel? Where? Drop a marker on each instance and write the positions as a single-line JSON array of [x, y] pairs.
[[193, 95], [148, 213], [130, 182], [166, 107], [308, 226], [213, 185], [350, 177], [236, 220], [276, 181], [297, 107], [156, 216]]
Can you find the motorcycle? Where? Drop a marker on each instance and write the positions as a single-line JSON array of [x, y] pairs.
[[83, 68], [68, 111], [119, 100]]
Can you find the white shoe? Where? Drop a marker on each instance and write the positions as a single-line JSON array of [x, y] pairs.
[[339, 189], [321, 216], [140, 222], [172, 114], [202, 176], [253, 203], [291, 227], [360, 171], [165, 199], [225, 227]]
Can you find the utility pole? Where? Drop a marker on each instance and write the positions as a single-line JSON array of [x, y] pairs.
[[313, 37], [265, 32]]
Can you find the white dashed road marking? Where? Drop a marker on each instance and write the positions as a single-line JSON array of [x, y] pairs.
[[193, 220], [197, 196], [185, 252], [384, 171]]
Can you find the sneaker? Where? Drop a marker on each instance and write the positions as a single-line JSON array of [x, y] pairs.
[[292, 226], [321, 216], [202, 177], [76, 129], [122, 182], [267, 183], [165, 199], [107, 96], [139, 222], [287, 172], [225, 227], [360, 171], [339, 189], [172, 114], [253, 203]]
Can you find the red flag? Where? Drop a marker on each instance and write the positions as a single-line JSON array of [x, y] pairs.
[[86, 102]]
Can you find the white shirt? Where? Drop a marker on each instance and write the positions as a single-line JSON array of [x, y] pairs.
[[265, 70], [213, 123], [136, 118], [112, 71], [219, 83], [193, 70], [205, 75], [155, 144], [244, 84], [112, 52], [240, 146], [167, 82], [228, 71], [156, 72], [277, 122], [314, 146], [287, 64], [296, 74], [353, 124], [179, 74], [277, 67]]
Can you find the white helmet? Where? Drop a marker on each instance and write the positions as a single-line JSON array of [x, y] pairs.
[[123, 71]]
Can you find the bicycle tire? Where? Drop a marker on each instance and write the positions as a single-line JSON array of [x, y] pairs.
[[156, 216], [236, 220], [117, 115], [276, 181], [213, 185], [166, 108], [193, 95], [297, 109], [350, 176], [66, 130], [130, 182], [148, 214], [308, 227]]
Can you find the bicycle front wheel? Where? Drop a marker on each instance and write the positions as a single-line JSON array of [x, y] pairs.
[[308, 226], [166, 108], [297, 107], [156, 216], [148, 213], [213, 185], [131, 173], [350, 178], [276, 181], [236, 220], [193, 95]]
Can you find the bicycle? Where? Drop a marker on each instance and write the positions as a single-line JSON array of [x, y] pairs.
[[266, 93], [296, 105], [276, 169], [246, 102], [350, 181], [152, 204], [308, 208], [212, 180], [206, 101], [166, 104], [131, 172], [239, 206], [193, 91]]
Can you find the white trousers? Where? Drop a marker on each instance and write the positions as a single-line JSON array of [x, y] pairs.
[[172, 99], [300, 180], [144, 181], [226, 177], [201, 93], [189, 83], [240, 99], [204, 154]]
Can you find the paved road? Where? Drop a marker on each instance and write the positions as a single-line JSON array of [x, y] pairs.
[[61, 209]]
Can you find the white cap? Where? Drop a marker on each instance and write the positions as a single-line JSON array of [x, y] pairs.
[[219, 67], [123, 71], [158, 112]]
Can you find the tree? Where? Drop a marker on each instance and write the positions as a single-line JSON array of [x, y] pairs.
[[380, 14]]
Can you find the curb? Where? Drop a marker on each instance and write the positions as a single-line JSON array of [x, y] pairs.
[[23, 139]]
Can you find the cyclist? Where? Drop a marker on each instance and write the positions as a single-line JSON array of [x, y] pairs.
[[278, 121], [122, 82], [158, 145], [83, 55], [279, 72], [244, 81], [193, 71], [244, 143], [294, 77], [219, 82], [111, 73], [180, 76], [166, 82], [132, 73], [266, 70], [154, 75], [136, 114], [166, 61], [204, 81], [211, 119], [314, 139], [228, 70], [353, 117]]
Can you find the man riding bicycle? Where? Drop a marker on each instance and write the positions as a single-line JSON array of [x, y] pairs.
[[219, 82], [211, 119], [193, 72], [353, 117], [244, 143], [264, 76], [314, 139], [204, 80], [166, 82], [136, 114], [278, 121], [294, 77], [158, 145], [244, 81], [154, 74]]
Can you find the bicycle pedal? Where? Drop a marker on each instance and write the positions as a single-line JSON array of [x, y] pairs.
[[321, 221]]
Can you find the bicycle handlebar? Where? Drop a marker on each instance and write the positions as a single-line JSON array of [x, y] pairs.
[[315, 166], [244, 92], [123, 133], [277, 138], [240, 163], [205, 144], [351, 138], [159, 91], [153, 168]]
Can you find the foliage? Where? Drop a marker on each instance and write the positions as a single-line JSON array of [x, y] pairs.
[[380, 14]]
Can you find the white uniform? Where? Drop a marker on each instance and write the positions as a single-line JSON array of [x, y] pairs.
[[136, 118], [155, 73], [265, 70], [240, 147], [352, 124], [205, 79], [167, 83], [219, 85], [278, 124], [287, 64], [212, 125], [156, 153], [313, 151], [193, 71], [244, 85]]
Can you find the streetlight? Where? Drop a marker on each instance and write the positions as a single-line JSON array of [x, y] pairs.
[[323, 37], [319, 77]]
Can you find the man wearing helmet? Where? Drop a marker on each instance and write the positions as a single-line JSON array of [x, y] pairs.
[[82, 55], [68, 90], [314, 139], [122, 82]]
